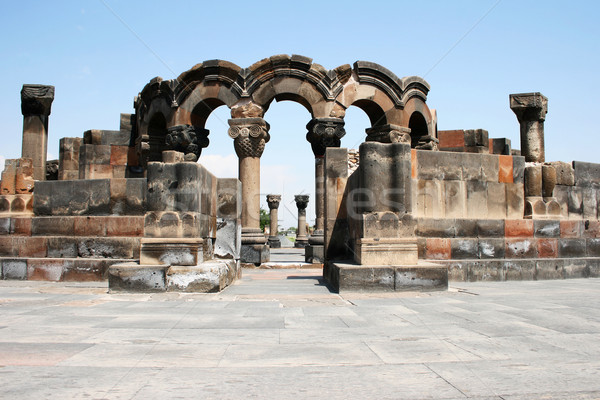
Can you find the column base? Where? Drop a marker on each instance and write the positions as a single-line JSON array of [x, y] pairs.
[[301, 242], [274, 242], [386, 251], [255, 254], [314, 254], [171, 251]]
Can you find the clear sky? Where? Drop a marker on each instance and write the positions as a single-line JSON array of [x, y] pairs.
[[100, 53]]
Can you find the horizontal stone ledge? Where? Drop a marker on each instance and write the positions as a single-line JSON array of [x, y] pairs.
[[56, 269]]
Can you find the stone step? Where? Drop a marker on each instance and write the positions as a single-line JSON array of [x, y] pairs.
[[56, 269], [109, 225], [70, 247]]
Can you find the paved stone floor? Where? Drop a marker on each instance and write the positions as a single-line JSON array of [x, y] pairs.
[[280, 334]]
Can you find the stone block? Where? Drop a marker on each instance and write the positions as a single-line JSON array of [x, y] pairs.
[[518, 228], [122, 248], [62, 247], [464, 249], [31, 246], [490, 228], [429, 198], [465, 228], [571, 229], [594, 267], [20, 226], [119, 155], [549, 269], [547, 248], [440, 228], [576, 269], [458, 271], [590, 203], [8, 248], [561, 194], [46, 269], [523, 270], [496, 200], [90, 154], [229, 201], [515, 200], [575, 202], [360, 278], [505, 169], [477, 205], [314, 254], [228, 241], [479, 167], [125, 226], [14, 269], [83, 270], [438, 249], [137, 278], [378, 224], [591, 229], [5, 225], [177, 251], [203, 278], [592, 247], [486, 271], [568, 248], [491, 248], [87, 197], [476, 138], [52, 226], [518, 169], [455, 197], [422, 277], [89, 226], [386, 251], [546, 228], [565, 174], [439, 165], [7, 186], [521, 248], [128, 196], [254, 254], [586, 174], [500, 146]]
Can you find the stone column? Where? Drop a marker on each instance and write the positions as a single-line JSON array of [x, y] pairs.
[[301, 203], [273, 201], [250, 136], [531, 109], [36, 103], [322, 133]]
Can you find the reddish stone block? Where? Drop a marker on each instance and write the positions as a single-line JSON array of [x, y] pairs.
[[119, 155], [491, 146], [451, 139], [547, 248], [571, 229], [99, 171], [505, 170], [125, 226], [7, 247], [518, 228], [21, 226], [90, 226], [132, 157], [591, 229], [34, 246], [438, 249], [85, 271], [45, 269]]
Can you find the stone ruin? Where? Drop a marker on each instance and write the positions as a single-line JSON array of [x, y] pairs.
[[413, 208]]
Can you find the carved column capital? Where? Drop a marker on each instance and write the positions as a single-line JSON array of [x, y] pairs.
[[529, 106], [36, 99], [273, 201], [187, 139], [301, 202], [324, 133], [250, 136], [388, 134]]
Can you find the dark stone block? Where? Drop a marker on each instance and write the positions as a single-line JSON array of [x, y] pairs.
[[592, 247], [458, 271], [5, 226], [501, 146], [464, 249], [491, 248], [123, 248], [486, 271], [421, 278], [549, 269], [442, 228], [586, 174], [568, 248], [465, 228], [94, 154], [52, 226], [14, 269], [575, 269], [546, 228], [575, 201], [594, 267], [314, 254], [439, 165], [61, 247], [137, 278], [255, 254], [522, 270], [490, 228], [518, 169]]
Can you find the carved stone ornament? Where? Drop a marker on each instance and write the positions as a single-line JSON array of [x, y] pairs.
[[388, 134], [273, 201], [36, 99], [427, 143], [301, 201], [250, 136], [187, 139], [324, 133], [529, 106]]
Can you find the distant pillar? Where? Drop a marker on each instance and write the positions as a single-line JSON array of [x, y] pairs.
[[531, 109], [322, 133], [273, 201], [250, 136], [36, 103], [301, 203]]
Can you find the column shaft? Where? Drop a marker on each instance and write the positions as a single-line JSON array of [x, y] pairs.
[[249, 173], [35, 143]]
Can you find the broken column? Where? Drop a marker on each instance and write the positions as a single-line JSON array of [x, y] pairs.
[[36, 103], [250, 136], [322, 133], [273, 201], [301, 203], [531, 109]]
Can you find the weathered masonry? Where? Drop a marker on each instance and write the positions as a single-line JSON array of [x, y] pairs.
[[414, 208]]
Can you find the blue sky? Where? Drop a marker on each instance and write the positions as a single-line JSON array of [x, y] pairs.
[[473, 54]]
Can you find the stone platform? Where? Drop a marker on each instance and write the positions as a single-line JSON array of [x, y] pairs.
[[350, 277]]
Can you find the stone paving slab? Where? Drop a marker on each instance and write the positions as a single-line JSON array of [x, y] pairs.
[[282, 334]]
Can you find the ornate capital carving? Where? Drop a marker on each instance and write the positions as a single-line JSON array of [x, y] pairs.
[[250, 136], [388, 134], [324, 133], [301, 201], [273, 201], [529, 106], [36, 99], [187, 139]]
